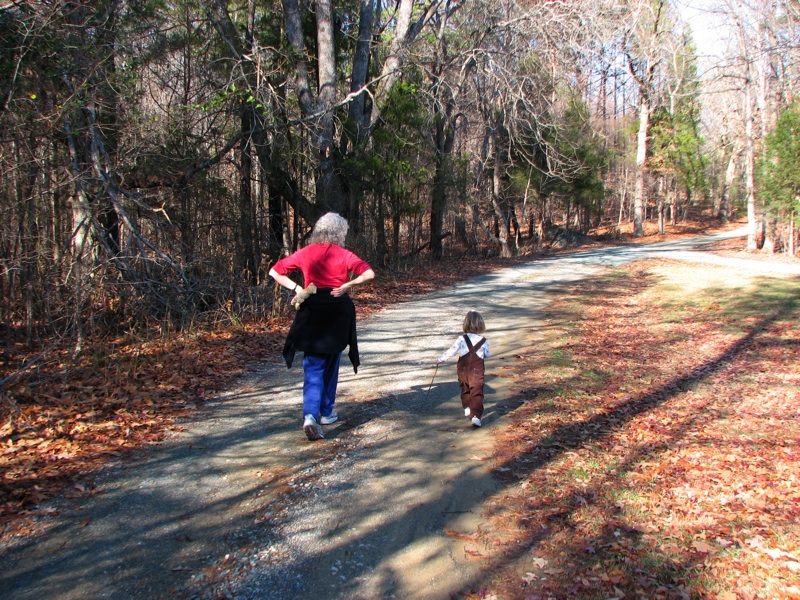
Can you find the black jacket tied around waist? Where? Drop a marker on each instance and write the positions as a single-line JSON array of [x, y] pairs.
[[323, 324]]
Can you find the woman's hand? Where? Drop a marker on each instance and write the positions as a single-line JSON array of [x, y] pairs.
[[342, 289], [363, 278]]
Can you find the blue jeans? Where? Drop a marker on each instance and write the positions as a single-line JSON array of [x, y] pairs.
[[321, 377]]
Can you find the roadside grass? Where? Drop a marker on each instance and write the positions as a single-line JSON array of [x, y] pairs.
[[659, 456]]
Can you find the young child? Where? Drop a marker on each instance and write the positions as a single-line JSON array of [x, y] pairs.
[[472, 349]]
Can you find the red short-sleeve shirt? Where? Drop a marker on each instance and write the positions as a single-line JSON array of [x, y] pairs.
[[324, 265]]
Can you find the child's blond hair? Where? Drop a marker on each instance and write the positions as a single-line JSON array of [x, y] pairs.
[[473, 322]]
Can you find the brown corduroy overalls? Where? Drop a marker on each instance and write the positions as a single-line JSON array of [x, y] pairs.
[[470, 371]]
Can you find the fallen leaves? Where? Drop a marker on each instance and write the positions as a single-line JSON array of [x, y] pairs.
[[64, 421], [118, 397], [660, 460], [702, 547], [460, 536]]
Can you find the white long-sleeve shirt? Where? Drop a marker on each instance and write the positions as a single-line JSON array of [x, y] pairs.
[[460, 347]]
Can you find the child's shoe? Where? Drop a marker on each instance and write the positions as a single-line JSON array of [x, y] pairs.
[[466, 412], [476, 422], [312, 428]]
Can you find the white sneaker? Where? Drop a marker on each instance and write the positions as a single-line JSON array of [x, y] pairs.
[[466, 412], [476, 422], [331, 418], [312, 428]]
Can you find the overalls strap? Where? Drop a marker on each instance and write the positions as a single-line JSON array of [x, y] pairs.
[[473, 349]]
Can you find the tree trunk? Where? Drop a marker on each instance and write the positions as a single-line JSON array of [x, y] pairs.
[[248, 261], [641, 155], [504, 227], [396, 222], [749, 163], [770, 236], [438, 204], [358, 110], [318, 105], [329, 189], [380, 232], [541, 228], [725, 198], [444, 140], [405, 32], [275, 222], [82, 238]]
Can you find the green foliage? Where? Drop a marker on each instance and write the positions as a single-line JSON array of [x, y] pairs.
[[583, 157], [586, 186], [676, 145], [390, 176], [778, 171], [395, 168]]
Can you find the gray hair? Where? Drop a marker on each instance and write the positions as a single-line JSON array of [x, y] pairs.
[[331, 228]]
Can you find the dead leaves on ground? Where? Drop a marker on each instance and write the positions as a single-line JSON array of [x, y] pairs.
[[67, 419], [661, 461], [75, 417]]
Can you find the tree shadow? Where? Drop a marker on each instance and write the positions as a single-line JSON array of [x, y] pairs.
[[148, 527], [673, 576]]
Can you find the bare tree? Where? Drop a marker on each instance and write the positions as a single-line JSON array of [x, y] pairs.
[[759, 62], [644, 48], [319, 101]]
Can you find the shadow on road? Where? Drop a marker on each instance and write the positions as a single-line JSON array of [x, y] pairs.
[[393, 495]]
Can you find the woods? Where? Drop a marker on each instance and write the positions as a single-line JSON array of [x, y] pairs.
[[158, 157]]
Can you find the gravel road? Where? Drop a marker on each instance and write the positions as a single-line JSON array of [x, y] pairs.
[[239, 504]]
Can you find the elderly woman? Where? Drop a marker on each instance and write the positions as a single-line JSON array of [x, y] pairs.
[[325, 322]]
